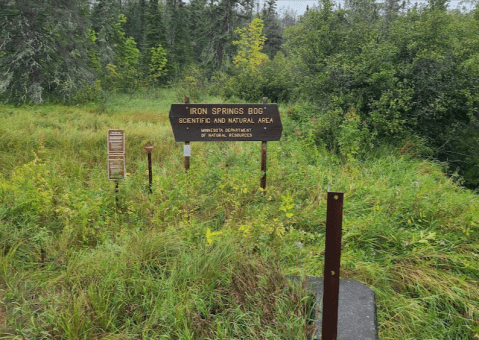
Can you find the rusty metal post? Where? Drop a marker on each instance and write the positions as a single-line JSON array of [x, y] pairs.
[[116, 193], [332, 261], [150, 172], [149, 148]]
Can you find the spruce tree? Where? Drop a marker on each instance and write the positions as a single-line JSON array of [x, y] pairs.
[[224, 17], [43, 50], [179, 43], [143, 25], [272, 29], [155, 39], [155, 27], [103, 18], [199, 28]]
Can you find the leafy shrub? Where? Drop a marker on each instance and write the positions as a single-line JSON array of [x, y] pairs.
[[93, 93], [405, 75], [124, 73], [193, 85], [157, 66], [354, 138], [27, 197], [278, 79]]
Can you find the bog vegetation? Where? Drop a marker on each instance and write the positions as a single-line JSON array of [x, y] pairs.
[[203, 256], [377, 100], [370, 72]]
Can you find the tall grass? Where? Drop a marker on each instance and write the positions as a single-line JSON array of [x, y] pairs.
[[78, 262]]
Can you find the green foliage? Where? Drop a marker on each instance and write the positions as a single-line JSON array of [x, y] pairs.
[[157, 63], [247, 81], [123, 74], [143, 265], [354, 137], [104, 16], [272, 29], [94, 60], [180, 52], [27, 195], [404, 75], [193, 85], [250, 56], [154, 58], [223, 85], [93, 93], [278, 79], [43, 51], [248, 85]]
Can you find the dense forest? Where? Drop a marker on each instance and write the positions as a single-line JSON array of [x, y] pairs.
[[356, 75]]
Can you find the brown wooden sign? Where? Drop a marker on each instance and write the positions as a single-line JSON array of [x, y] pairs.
[[225, 122], [116, 167], [148, 147], [116, 154], [116, 141]]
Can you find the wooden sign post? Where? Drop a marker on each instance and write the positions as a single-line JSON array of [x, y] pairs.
[[116, 154], [149, 147], [187, 146], [264, 149], [116, 157], [226, 122]]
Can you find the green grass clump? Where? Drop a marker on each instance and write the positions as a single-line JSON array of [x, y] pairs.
[[155, 285], [204, 256]]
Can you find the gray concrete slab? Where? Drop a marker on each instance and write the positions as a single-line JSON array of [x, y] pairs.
[[357, 319]]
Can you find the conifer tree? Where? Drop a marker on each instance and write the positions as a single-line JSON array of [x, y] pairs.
[[225, 16], [103, 18], [272, 29], [178, 35], [155, 27], [43, 50], [155, 42], [199, 25], [123, 73], [143, 25]]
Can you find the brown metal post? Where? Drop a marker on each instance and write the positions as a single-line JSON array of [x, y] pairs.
[[116, 193], [149, 148], [150, 172], [332, 261], [187, 158]]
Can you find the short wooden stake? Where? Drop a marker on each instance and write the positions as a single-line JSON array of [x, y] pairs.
[[186, 152], [264, 149], [332, 262]]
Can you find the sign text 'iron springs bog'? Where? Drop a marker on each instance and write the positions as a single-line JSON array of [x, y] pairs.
[[225, 122]]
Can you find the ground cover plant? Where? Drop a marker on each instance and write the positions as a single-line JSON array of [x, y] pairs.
[[205, 255]]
